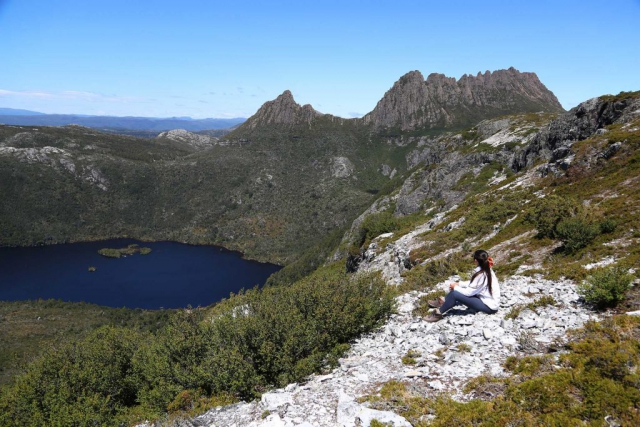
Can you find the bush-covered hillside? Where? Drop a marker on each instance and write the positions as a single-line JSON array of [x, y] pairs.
[[201, 358], [271, 198]]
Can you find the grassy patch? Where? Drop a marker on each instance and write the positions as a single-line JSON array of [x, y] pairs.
[[621, 96], [410, 357], [476, 183], [428, 275], [538, 303]]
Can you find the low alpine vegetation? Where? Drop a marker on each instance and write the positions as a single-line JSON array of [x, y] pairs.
[[410, 357], [245, 345], [596, 378], [540, 302], [606, 287]]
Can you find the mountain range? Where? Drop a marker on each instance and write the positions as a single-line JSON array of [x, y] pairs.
[[10, 116], [439, 102], [271, 188]]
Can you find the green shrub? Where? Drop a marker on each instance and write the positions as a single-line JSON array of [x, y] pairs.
[[376, 224], [183, 401], [576, 233], [547, 212], [91, 382], [606, 286], [608, 226]]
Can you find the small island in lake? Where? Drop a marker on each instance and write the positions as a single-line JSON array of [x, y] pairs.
[[129, 250]]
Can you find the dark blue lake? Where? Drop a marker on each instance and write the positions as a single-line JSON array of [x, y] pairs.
[[173, 275]]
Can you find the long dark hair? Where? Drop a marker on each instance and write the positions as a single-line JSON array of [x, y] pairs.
[[485, 266]]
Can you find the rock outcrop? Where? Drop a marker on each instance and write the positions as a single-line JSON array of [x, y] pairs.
[[440, 102], [341, 167], [554, 141], [194, 140], [283, 110]]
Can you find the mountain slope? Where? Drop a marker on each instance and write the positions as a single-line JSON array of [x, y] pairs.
[[544, 345], [270, 199]]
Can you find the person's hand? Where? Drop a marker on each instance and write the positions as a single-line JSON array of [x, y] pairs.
[[453, 285]]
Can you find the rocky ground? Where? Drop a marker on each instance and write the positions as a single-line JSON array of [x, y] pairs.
[[447, 354]]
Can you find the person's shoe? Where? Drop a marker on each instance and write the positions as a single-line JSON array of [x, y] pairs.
[[433, 317], [436, 303]]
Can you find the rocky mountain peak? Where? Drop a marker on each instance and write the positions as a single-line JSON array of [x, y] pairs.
[[440, 101], [283, 110], [412, 76]]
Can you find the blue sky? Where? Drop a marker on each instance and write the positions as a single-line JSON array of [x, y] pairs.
[[226, 58]]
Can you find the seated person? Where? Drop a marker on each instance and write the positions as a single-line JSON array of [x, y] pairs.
[[481, 294]]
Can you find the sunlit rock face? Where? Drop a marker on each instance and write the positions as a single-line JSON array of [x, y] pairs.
[[439, 101]]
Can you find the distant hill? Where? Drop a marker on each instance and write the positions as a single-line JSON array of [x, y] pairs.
[[18, 112], [9, 116]]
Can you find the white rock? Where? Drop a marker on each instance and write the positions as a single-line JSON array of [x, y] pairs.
[[321, 378], [272, 401], [291, 387], [341, 167], [273, 420], [508, 340], [436, 384], [528, 324], [351, 414], [406, 307]]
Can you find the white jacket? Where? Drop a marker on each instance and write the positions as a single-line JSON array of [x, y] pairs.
[[479, 287]]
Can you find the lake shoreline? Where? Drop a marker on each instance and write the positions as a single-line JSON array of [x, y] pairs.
[[173, 275], [142, 240]]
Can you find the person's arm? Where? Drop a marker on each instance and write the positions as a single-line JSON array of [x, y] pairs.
[[473, 288]]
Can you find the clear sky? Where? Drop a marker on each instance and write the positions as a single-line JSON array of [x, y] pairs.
[[226, 58]]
